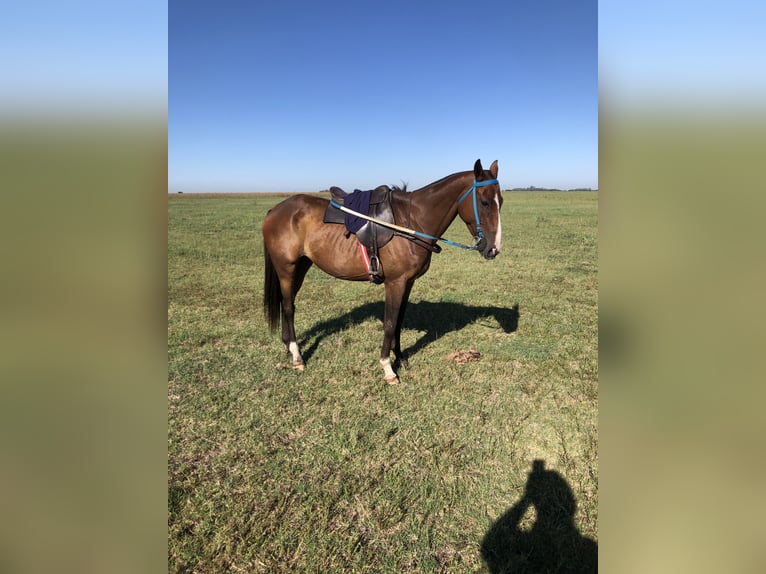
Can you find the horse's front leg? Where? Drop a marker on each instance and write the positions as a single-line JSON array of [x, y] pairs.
[[398, 355], [394, 296]]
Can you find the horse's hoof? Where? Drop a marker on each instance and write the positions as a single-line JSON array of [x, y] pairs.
[[299, 367], [392, 380]]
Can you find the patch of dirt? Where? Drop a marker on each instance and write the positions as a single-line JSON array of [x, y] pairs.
[[466, 356]]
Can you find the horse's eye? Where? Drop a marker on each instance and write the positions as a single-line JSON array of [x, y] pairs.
[[485, 203]]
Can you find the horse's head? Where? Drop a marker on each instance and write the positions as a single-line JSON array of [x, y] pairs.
[[479, 208]]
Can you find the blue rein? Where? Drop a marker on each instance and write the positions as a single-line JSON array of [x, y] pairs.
[[479, 233]]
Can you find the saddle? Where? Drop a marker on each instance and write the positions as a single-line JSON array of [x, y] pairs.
[[371, 235]]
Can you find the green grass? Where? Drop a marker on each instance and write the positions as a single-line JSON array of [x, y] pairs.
[[331, 470]]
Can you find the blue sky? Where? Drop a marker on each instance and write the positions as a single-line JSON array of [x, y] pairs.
[[83, 57], [686, 55], [299, 96]]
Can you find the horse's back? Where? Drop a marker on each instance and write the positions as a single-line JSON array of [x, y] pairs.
[[293, 213], [297, 205], [294, 226]]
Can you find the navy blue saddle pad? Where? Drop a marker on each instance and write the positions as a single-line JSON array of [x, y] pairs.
[[358, 201]]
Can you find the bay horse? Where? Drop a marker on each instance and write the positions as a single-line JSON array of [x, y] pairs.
[[295, 237]]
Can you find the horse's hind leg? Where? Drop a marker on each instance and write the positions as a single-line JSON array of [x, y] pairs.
[[290, 284]]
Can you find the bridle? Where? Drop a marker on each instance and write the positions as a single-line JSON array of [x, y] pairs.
[[480, 240]]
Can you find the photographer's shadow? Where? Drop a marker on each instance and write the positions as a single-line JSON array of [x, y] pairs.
[[552, 544]]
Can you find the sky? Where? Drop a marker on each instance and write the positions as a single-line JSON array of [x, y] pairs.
[[83, 58], [302, 95], [687, 56]]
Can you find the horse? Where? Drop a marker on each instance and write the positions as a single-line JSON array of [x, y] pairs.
[[295, 237]]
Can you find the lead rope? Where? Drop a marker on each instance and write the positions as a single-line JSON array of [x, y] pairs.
[[399, 228]]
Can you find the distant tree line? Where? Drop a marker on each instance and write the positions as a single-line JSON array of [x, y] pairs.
[[535, 188], [530, 188]]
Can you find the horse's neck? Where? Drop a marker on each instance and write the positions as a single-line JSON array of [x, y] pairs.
[[433, 208]]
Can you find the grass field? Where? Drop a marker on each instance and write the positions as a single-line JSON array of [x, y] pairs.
[[331, 470]]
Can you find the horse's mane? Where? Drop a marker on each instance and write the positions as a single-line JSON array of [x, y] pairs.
[[432, 184]]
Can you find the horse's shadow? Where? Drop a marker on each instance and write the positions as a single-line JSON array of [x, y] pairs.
[[433, 319]]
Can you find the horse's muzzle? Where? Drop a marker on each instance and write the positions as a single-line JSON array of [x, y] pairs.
[[491, 253]]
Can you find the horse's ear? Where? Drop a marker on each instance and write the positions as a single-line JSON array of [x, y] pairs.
[[337, 190], [478, 171], [493, 169]]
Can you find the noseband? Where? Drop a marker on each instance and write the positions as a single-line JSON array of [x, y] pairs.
[[481, 241]]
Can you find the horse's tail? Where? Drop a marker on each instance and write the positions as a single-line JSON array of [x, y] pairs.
[[272, 294]]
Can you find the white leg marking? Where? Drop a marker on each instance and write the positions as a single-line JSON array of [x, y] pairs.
[[498, 237], [388, 371], [297, 359]]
